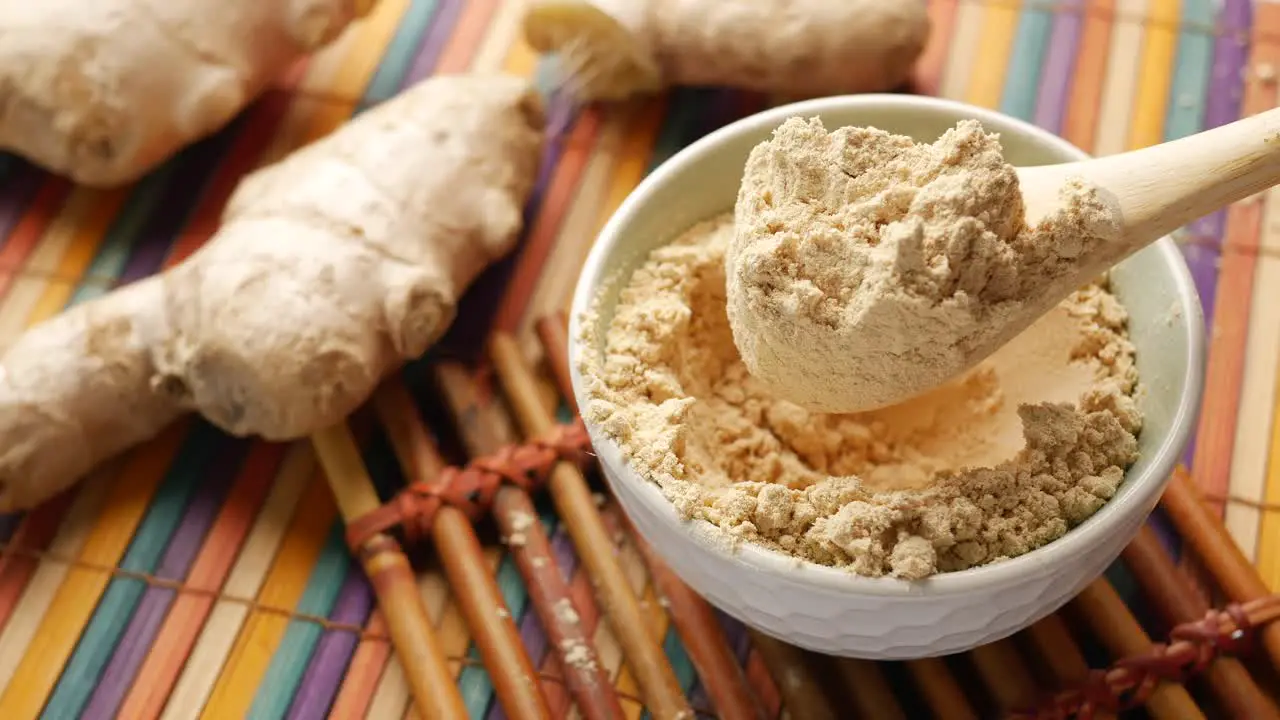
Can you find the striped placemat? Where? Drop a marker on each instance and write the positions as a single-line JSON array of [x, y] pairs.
[[202, 576]]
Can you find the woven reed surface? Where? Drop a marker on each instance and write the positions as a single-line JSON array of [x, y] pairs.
[[204, 576]]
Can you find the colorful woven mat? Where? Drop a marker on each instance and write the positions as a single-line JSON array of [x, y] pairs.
[[202, 576]]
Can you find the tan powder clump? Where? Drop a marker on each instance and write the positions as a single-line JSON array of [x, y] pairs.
[[867, 268], [993, 464]]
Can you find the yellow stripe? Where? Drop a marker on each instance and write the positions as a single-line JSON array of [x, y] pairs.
[[49, 575], [237, 684], [1156, 73], [29, 686], [986, 79], [966, 35], [1121, 82]]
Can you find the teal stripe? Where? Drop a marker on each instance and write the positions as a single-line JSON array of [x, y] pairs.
[[398, 56], [289, 662], [684, 108], [1193, 68], [98, 640], [125, 231], [1022, 85]]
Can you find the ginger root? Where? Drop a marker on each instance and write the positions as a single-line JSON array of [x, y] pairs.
[[103, 91], [331, 269], [613, 49]]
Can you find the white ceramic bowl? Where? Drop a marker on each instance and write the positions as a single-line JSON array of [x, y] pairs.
[[833, 611]]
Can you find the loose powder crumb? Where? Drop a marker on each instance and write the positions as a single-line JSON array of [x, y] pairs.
[[993, 464], [868, 268]]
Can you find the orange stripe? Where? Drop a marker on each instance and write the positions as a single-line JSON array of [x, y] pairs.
[[261, 634], [1081, 124], [159, 671], [1224, 372], [579, 144], [942, 15], [360, 681], [29, 687]]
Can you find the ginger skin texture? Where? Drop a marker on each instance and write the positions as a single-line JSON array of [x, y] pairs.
[[102, 92], [331, 269], [614, 49]]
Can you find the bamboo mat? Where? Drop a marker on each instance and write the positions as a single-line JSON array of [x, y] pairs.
[[206, 577]]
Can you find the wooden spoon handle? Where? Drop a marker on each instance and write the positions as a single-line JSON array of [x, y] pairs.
[[1163, 187]]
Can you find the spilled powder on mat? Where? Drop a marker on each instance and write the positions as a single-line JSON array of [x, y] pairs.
[[993, 464], [867, 268]]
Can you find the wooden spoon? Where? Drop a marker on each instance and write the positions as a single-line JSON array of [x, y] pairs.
[[1158, 189]]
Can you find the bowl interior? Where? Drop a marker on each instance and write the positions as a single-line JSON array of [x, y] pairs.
[[1154, 284]]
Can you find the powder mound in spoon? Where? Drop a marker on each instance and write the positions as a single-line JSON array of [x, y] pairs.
[[997, 462], [867, 268]]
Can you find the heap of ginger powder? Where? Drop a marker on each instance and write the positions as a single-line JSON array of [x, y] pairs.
[[989, 466]]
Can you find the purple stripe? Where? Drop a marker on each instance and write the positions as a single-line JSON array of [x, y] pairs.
[[1223, 105], [424, 61], [169, 216], [1059, 66], [150, 613], [333, 652]]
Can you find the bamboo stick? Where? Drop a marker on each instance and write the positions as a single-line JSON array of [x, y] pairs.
[[435, 694], [695, 621], [1206, 534], [1177, 603], [1115, 627], [870, 693], [802, 695], [514, 511], [944, 696], [515, 681], [1005, 674], [1052, 641], [572, 498]]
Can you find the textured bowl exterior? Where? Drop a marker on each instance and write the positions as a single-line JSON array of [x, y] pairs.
[[833, 611]]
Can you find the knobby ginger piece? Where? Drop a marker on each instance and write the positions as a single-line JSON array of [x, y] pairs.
[[104, 91], [331, 268], [614, 49]]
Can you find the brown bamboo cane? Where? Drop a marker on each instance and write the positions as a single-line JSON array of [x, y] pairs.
[[435, 694], [1051, 639], [1178, 603], [549, 593], [1209, 538], [695, 620], [802, 695], [514, 679], [1004, 672], [1115, 627], [939, 689], [868, 690], [573, 500]]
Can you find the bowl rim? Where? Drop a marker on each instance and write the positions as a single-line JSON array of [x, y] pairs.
[[1143, 489]]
